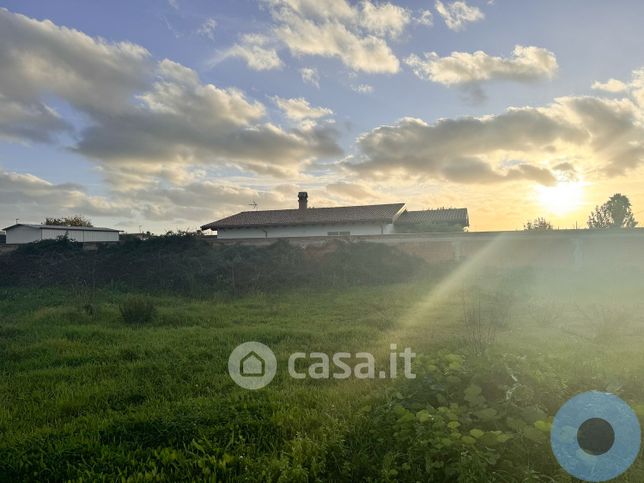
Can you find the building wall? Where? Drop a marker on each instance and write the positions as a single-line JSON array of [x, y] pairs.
[[25, 234], [305, 231], [22, 234], [566, 249]]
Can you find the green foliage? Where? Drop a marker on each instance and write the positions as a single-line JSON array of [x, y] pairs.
[[465, 419], [365, 263], [76, 220], [615, 213], [85, 397], [137, 310], [186, 263]]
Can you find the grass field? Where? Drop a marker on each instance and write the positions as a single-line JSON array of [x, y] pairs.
[[84, 396]]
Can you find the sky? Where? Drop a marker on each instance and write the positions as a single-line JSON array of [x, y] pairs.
[[169, 114]]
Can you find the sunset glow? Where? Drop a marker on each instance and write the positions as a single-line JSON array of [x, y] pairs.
[[563, 198], [199, 110]]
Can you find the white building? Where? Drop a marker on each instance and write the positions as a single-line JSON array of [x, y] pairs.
[[25, 233], [336, 221]]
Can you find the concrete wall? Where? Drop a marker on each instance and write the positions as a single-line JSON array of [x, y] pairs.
[[558, 248], [25, 234], [568, 249], [304, 231]]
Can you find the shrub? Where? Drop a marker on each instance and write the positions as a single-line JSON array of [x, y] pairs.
[[463, 419], [483, 316], [184, 263], [137, 310]]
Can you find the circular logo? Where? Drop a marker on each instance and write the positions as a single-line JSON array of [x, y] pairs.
[[595, 436], [252, 365]]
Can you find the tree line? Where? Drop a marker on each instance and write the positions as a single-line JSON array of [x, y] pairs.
[[615, 213]]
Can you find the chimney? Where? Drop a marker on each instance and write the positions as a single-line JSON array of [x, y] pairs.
[[303, 198]]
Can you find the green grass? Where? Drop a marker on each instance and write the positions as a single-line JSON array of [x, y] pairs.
[[88, 397]]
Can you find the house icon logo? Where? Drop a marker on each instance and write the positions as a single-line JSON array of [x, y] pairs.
[[252, 365]]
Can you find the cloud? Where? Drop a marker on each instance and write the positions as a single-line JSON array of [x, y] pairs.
[[30, 121], [460, 68], [144, 119], [611, 85], [458, 14], [310, 76], [207, 28], [32, 199], [332, 9], [299, 109], [363, 88], [255, 50], [366, 53], [425, 18], [40, 59], [384, 19], [351, 191], [518, 144], [202, 200], [182, 121], [355, 34], [634, 88], [637, 87]]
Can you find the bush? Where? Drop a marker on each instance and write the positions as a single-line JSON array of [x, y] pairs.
[[463, 419], [137, 310], [187, 264]]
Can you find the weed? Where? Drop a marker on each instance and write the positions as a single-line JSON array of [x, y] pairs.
[[137, 310], [545, 313], [480, 322]]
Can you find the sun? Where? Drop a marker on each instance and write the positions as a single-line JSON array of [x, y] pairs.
[[562, 198]]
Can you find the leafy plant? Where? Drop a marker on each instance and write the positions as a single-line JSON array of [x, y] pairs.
[[185, 263], [463, 419], [137, 310], [76, 220]]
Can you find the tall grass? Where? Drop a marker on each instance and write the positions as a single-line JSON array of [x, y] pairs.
[[89, 397]]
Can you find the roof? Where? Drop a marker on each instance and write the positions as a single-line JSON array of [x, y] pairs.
[[456, 216], [310, 216], [61, 227]]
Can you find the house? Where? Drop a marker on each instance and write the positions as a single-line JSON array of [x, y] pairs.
[[382, 219], [26, 233]]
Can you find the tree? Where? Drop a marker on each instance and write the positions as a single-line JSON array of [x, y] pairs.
[[76, 220], [538, 224], [615, 213]]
